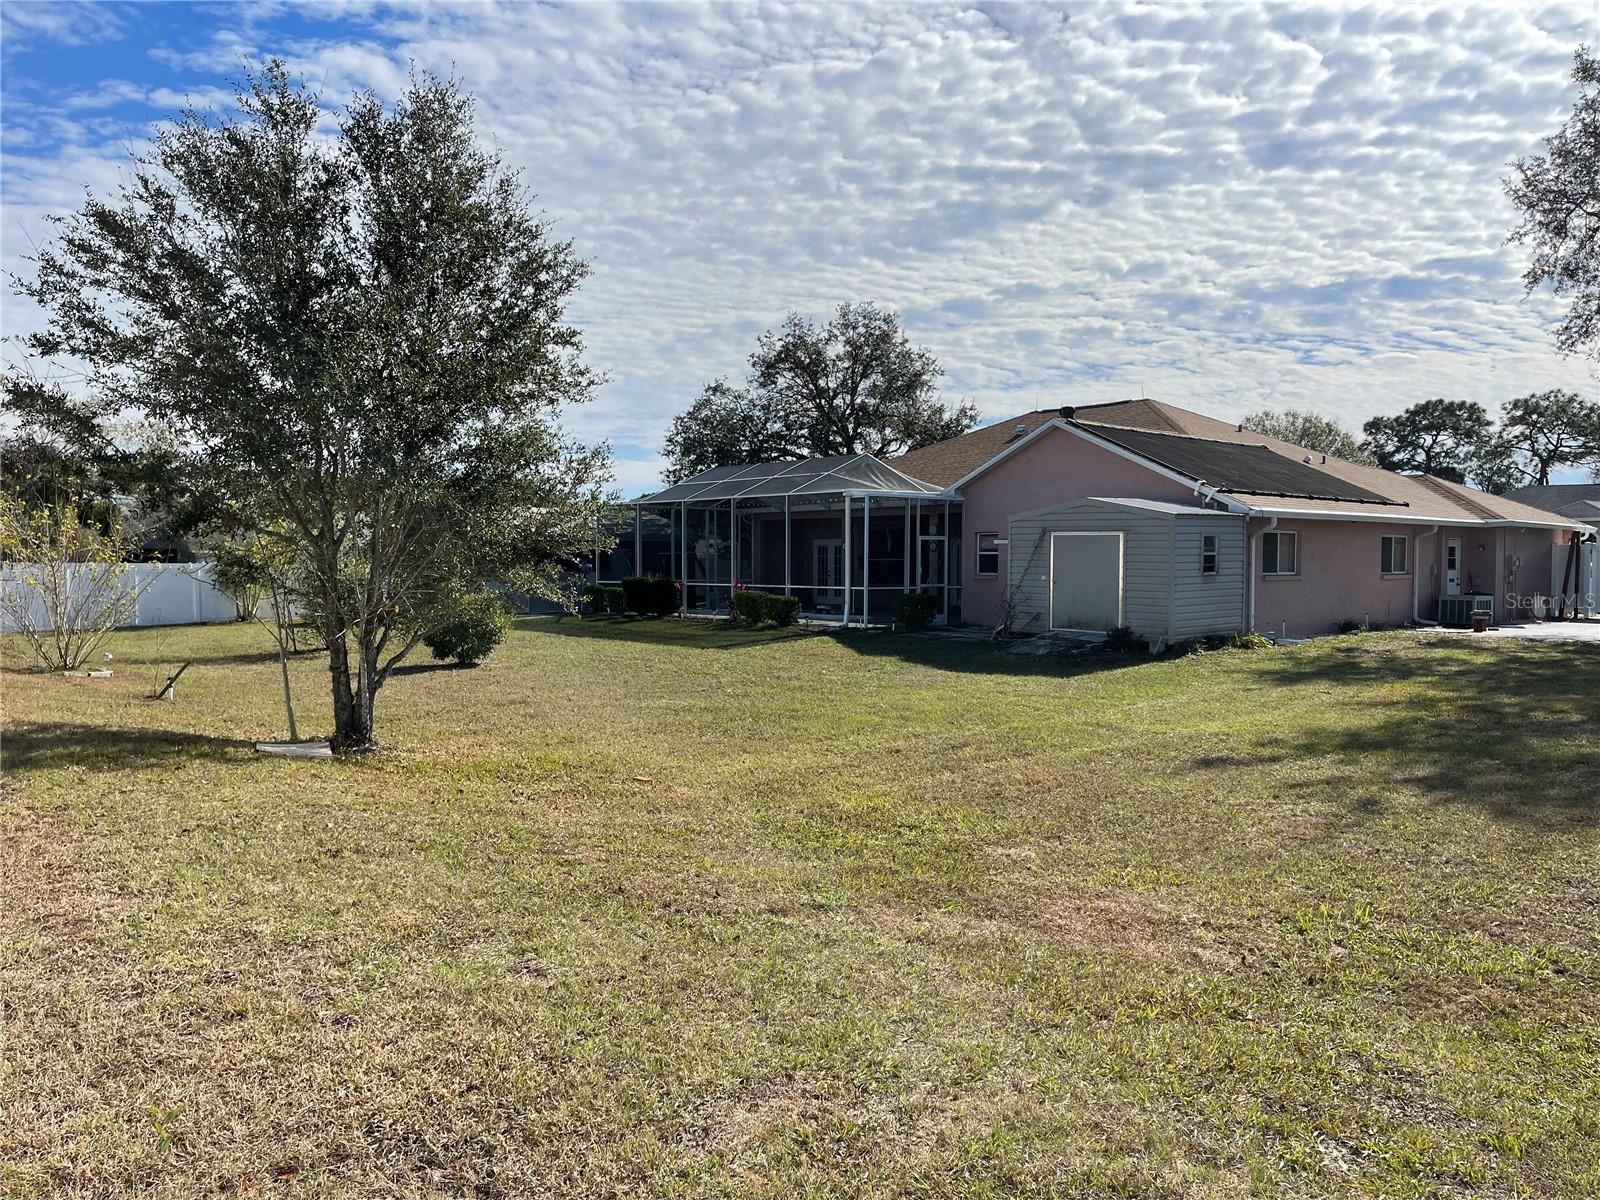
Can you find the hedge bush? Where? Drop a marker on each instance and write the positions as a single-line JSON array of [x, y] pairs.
[[915, 610], [476, 628], [602, 599], [650, 595], [754, 607], [1124, 640]]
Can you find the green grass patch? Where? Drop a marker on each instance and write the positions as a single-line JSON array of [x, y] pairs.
[[667, 908]]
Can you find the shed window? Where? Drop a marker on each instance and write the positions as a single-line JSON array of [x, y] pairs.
[[1208, 554], [988, 554], [1280, 553], [1394, 556]]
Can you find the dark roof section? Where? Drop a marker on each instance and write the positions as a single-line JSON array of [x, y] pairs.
[[1580, 501], [1242, 469], [805, 477]]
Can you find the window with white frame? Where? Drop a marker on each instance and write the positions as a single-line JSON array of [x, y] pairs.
[[1394, 556], [1280, 553], [988, 560], [1208, 554]]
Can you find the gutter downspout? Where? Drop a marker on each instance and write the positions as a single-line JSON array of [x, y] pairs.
[[1255, 564], [1416, 574]]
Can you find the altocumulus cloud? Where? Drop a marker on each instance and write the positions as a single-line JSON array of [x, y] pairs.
[[1225, 207]]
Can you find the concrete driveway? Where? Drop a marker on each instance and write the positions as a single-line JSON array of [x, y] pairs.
[[1542, 631]]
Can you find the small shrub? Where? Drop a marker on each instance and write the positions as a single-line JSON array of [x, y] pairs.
[[478, 625], [64, 584], [602, 599], [915, 610], [749, 606], [1219, 641], [1124, 640], [783, 610], [1247, 641], [753, 607], [1352, 626], [650, 595]]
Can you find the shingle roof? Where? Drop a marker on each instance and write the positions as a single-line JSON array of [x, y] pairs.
[[945, 462], [948, 461], [1423, 496], [1580, 501]]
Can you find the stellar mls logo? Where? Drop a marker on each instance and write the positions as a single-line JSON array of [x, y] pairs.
[[1578, 600]]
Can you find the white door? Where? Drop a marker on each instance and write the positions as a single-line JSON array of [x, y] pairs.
[[829, 572], [1452, 567], [1085, 580]]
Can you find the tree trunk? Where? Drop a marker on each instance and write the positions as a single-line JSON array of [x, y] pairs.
[[352, 718]]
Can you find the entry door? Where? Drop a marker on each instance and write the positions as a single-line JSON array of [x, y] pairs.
[[1452, 566], [829, 572], [1085, 580]]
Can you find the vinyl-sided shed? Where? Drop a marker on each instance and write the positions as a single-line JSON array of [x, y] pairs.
[[1167, 571]]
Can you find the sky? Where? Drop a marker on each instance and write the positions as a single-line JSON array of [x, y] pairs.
[[1225, 207]]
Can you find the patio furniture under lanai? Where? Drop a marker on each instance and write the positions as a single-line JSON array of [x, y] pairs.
[[845, 535]]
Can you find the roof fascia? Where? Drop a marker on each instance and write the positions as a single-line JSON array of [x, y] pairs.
[[1378, 518]]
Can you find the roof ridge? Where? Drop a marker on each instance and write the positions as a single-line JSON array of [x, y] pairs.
[[1156, 406], [1180, 433], [1447, 489]]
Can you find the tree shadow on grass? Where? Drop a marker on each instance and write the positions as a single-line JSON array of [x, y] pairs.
[[1512, 730], [932, 650], [691, 633], [55, 745], [428, 668], [982, 656]]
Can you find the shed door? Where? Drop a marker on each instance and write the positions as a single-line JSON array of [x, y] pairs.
[[1085, 580]]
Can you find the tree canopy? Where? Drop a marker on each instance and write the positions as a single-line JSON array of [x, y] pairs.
[[1308, 429], [1558, 193], [1544, 432], [855, 385], [354, 326], [1436, 437]]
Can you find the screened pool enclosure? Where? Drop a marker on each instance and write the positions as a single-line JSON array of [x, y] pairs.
[[846, 535]]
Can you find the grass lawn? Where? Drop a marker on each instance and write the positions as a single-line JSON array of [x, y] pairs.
[[665, 909]]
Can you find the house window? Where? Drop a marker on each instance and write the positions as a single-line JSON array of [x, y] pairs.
[[1279, 554], [988, 554], [1394, 556], [1208, 554]]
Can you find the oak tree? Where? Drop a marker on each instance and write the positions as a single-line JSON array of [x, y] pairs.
[[354, 323], [855, 385]]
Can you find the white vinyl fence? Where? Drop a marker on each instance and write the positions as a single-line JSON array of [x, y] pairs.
[[1588, 588], [178, 593]]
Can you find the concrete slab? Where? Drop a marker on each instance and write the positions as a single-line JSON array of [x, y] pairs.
[[296, 749], [1541, 631]]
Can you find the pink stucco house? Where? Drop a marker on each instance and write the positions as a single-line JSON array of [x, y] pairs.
[[1136, 513]]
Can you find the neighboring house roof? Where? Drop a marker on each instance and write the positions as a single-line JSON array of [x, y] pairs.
[[804, 477], [1578, 500], [1424, 498]]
